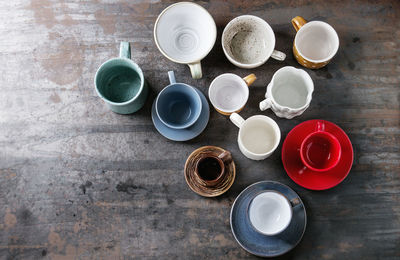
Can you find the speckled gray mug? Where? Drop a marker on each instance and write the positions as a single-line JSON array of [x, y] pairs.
[[248, 42]]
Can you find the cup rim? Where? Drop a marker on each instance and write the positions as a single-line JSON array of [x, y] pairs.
[[214, 35], [248, 65], [304, 161], [288, 203], [196, 117], [308, 24], [137, 69], [271, 122], [213, 83], [309, 94]]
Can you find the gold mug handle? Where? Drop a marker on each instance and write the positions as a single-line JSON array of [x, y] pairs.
[[298, 22], [249, 79]]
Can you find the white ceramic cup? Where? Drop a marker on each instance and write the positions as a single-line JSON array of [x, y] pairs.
[[229, 93], [270, 212], [185, 33], [289, 93], [248, 41], [258, 136]]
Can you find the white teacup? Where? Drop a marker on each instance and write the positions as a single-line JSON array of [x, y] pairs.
[[248, 41], [289, 93], [258, 136], [185, 33], [229, 93], [270, 212]]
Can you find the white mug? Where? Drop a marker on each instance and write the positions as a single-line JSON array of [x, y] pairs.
[[229, 93], [185, 33], [258, 136], [289, 93], [248, 41], [270, 212]]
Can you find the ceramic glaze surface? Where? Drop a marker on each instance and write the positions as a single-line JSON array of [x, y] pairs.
[[118, 83], [228, 92], [306, 177], [121, 84], [317, 41], [184, 134], [258, 136], [178, 106], [260, 244], [289, 93], [185, 32], [270, 213], [248, 41]]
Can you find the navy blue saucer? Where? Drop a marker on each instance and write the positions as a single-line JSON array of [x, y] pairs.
[[186, 133], [257, 243]]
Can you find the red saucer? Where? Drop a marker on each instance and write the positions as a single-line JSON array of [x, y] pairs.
[[306, 177]]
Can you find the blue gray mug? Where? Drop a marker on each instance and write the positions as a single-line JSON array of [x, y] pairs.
[[178, 105], [121, 84]]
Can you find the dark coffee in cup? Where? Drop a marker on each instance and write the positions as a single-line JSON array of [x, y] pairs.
[[210, 167]]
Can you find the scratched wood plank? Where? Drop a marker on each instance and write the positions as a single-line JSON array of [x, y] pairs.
[[79, 182]]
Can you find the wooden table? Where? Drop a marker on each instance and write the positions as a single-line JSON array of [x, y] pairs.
[[80, 182]]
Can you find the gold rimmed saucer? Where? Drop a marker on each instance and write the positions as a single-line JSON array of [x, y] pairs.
[[199, 187]]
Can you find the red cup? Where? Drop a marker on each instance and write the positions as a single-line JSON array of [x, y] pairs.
[[320, 151]]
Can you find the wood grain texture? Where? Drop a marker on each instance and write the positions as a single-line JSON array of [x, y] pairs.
[[80, 182]]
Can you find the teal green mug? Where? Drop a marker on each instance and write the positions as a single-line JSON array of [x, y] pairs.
[[121, 84]]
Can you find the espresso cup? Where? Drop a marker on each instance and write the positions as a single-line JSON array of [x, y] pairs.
[[320, 151], [121, 84], [289, 93], [258, 136], [270, 212], [315, 43], [210, 168], [229, 93], [248, 42], [185, 33], [178, 105]]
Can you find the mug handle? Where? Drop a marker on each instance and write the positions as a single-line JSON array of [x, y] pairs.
[[195, 69], [320, 126], [278, 55], [298, 22], [225, 156], [265, 104], [171, 76], [125, 50], [249, 79], [236, 119], [295, 202]]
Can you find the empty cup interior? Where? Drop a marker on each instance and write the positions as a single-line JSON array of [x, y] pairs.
[[248, 40], [270, 213], [259, 136], [321, 150], [117, 81], [317, 41], [228, 93], [178, 106], [185, 32], [290, 88]]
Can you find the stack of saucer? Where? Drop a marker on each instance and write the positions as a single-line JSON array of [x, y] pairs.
[[180, 112]]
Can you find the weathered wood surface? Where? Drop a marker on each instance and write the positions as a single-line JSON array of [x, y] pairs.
[[80, 182]]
